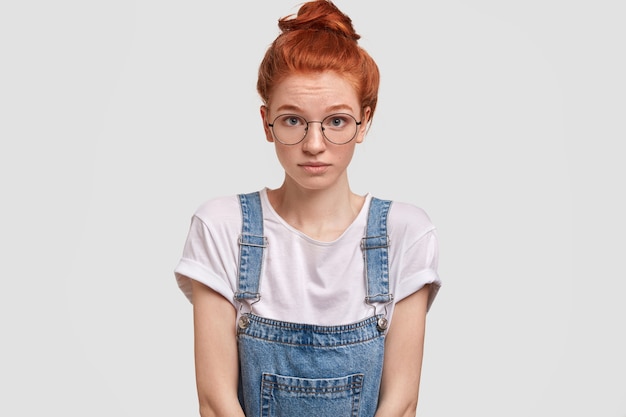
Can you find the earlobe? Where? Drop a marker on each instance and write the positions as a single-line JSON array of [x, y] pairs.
[[268, 132]]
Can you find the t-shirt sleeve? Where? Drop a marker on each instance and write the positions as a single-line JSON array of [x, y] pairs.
[[210, 251], [415, 257]]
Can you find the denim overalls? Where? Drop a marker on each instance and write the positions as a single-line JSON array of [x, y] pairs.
[[292, 370]]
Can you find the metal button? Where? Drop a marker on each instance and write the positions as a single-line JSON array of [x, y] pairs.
[[244, 322], [382, 324]]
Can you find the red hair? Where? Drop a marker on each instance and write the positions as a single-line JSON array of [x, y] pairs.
[[319, 38]]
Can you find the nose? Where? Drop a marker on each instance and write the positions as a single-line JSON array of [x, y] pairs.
[[314, 141]]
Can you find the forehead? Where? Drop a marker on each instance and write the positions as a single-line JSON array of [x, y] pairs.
[[314, 91]]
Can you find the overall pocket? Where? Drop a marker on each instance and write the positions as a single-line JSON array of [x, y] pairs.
[[285, 396]]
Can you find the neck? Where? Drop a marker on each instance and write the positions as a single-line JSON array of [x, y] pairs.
[[321, 214]]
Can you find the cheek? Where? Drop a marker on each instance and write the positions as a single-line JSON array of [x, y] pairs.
[[348, 151], [343, 157], [283, 153]]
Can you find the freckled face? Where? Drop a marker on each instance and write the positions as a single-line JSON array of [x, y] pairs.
[[315, 163]]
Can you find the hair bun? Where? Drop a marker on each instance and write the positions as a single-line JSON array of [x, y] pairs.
[[319, 15]]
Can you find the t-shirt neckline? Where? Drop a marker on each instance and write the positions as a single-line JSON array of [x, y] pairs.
[[361, 218]]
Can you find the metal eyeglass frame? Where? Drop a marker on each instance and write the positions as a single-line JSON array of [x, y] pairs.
[[306, 129]]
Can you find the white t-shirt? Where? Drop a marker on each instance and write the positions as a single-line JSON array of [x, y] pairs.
[[304, 280]]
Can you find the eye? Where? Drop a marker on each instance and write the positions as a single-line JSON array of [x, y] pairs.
[[291, 120], [337, 121]]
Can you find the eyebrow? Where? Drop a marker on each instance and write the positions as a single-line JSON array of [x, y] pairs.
[[296, 109]]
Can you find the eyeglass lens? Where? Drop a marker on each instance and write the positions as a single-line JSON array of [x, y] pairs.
[[338, 128]]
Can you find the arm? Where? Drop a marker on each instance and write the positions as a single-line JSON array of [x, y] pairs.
[[402, 365], [216, 357]]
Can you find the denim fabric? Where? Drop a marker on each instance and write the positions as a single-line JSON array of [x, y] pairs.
[[251, 245], [284, 396], [291, 369], [310, 370], [375, 252]]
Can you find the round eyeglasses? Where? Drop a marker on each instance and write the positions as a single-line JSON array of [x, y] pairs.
[[291, 129]]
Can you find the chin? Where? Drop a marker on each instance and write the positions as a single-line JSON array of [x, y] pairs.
[[315, 183]]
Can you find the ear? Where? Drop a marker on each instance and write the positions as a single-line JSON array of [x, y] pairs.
[[365, 121], [268, 131]]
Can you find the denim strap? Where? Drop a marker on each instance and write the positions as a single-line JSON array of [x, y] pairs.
[[375, 246], [251, 245]]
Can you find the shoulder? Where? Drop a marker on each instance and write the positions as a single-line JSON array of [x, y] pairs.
[[219, 210], [409, 219]]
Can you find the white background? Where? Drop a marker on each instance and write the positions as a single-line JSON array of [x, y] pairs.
[[503, 119]]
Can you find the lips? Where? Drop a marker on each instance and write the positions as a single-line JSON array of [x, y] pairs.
[[314, 167], [314, 164]]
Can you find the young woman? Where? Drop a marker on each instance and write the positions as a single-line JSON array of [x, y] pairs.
[[310, 299]]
